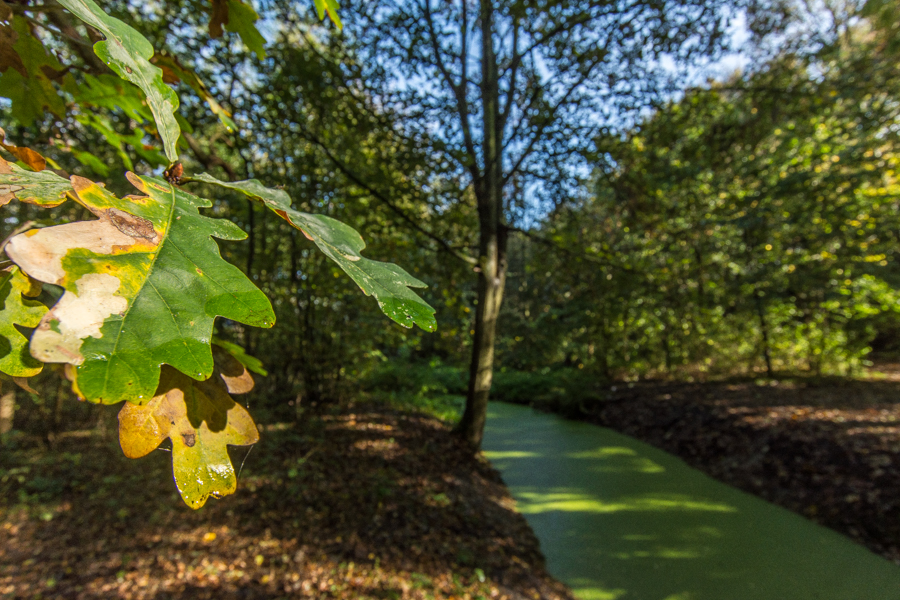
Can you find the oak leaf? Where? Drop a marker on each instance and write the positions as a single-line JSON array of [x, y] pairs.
[[43, 188], [143, 286], [18, 306], [389, 283], [201, 420], [127, 52]]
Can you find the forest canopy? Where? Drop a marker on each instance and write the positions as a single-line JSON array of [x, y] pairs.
[[577, 204]]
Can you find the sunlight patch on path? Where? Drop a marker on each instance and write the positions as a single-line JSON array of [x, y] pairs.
[[530, 503], [620, 520]]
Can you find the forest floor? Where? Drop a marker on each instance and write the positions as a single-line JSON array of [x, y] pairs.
[[365, 503], [828, 449]]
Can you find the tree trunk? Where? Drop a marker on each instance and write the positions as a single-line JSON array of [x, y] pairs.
[[764, 330], [7, 411], [491, 245], [491, 282]]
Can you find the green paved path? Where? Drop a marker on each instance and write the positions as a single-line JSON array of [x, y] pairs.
[[621, 520]]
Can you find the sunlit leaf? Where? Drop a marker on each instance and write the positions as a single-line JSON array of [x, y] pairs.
[[43, 188], [127, 52], [241, 19], [144, 284], [331, 8], [341, 243], [32, 159], [201, 420], [18, 307]]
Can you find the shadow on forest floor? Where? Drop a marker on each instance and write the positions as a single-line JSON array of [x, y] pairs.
[[827, 448], [376, 504]]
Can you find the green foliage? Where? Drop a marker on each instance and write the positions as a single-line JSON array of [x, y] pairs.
[[143, 284], [433, 388], [387, 282], [329, 7], [747, 226], [29, 83], [127, 52], [19, 307], [563, 390], [134, 294]]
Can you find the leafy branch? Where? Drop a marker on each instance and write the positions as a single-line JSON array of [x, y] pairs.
[[139, 287]]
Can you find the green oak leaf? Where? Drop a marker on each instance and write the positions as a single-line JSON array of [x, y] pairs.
[[43, 188], [331, 7], [18, 307], [251, 363], [143, 286], [33, 93], [341, 243], [201, 419], [127, 52], [111, 92], [241, 19]]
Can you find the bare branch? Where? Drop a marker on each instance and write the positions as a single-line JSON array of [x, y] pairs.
[[412, 222]]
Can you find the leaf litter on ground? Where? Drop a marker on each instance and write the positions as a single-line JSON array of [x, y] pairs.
[[366, 502], [825, 448]]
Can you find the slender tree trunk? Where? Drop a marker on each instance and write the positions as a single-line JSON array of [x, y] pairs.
[[764, 330], [491, 282], [7, 411], [492, 260]]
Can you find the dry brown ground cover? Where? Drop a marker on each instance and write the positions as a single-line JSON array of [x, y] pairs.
[[371, 504], [827, 449]]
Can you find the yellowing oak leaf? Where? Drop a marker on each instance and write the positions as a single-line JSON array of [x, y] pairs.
[[43, 188], [330, 7], [144, 284], [34, 160], [18, 307], [201, 419]]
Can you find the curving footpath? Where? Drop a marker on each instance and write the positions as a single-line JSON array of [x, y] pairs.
[[620, 520]]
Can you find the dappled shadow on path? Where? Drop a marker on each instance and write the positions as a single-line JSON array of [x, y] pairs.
[[828, 449], [621, 520], [365, 505]]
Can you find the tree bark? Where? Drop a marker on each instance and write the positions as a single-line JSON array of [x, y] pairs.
[[492, 260], [7, 411]]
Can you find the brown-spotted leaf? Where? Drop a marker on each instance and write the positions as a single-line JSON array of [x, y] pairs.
[[201, 420], [218, 17], [43, 188], [143, 284], [34, 160], [9, 58]]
